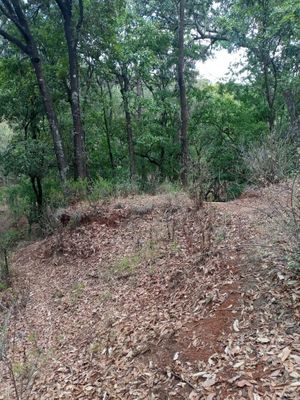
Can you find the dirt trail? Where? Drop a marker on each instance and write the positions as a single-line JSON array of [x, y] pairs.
[[150, 299]]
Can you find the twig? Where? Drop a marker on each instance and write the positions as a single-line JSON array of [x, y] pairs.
[[181, 379]]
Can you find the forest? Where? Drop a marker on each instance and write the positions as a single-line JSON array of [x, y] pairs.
[[101, 95], [149, 215]]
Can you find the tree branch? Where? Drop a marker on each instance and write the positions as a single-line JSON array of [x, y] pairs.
[[15, 41], [149, 158], [80, 19], [10, 14]]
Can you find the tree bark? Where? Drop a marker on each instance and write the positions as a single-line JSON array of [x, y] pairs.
[[182, 94], [36, 184], [52, 118], [71, 35], [124, 86], [108, 122]]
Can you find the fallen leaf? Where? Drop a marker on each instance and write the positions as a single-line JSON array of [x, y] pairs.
[[295, 358], [263, 340], [243, 383], [284, 354], [239, 364], [236, 326], [209, 382]]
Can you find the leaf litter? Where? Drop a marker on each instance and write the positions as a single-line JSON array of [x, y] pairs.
[[172, 303]]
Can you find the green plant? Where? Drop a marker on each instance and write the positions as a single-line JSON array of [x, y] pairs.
[[77, 190], [127, 264], [167, 187], [126, 188], [20, 199], [7, 240], [100, 189]]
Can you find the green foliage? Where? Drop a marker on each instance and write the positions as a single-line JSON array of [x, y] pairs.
[[77, 190], [100, 189], [20, 199], [136, 42], [26, 157], [126, 265], [8, 239]]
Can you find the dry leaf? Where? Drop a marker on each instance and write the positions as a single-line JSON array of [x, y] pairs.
[[209, 382], [263, 340], [243, 383], [295, 358], [284, 354], [194, 396], [236, 326]]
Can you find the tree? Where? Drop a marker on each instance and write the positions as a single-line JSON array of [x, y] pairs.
[[269, 31], [182, 95], [13, 11], [72, 31]]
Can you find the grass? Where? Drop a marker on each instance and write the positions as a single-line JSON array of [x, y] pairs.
[[127, 264]]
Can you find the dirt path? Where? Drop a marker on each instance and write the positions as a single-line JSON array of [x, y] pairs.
[[149, 299]]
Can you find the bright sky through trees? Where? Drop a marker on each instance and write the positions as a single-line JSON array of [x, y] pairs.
[[218, 67]]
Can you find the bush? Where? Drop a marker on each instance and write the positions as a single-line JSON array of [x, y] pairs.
[[167, 187], [100, 189], [290, 226], [77, 190], [20, 199], [7, 240], [270, 160], [199, 182], [284, 228], [126, 188]]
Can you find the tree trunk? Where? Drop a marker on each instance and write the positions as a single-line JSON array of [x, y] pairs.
[[80, 171], [107, 122], [182, 94], [140, 95], [52, 119], [124, 85], [270, 97], [36, 184]]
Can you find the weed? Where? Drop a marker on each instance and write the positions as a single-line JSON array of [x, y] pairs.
[[127, 264]]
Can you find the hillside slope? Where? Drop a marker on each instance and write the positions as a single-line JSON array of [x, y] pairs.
[[147, 298]]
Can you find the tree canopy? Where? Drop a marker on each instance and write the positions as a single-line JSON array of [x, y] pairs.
[[111, 89]]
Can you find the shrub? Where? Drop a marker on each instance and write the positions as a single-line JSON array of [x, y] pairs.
[[100, 189], [7, 240], [167, 187], [270, 160], [284, 214], [290, 227], [77, 190], [199, 182], [20, 199], [126, 188]]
